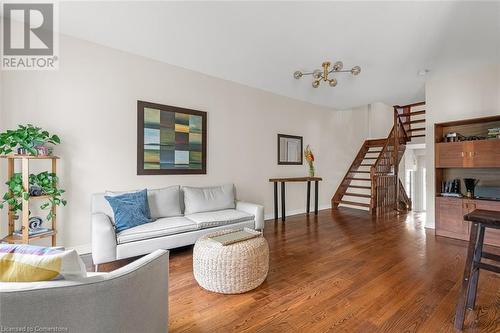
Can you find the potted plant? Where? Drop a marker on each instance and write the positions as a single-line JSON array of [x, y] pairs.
[[27, 139], [309, 156], [45, 181]]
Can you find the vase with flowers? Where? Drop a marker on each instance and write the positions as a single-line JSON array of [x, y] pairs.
[[309, 156]]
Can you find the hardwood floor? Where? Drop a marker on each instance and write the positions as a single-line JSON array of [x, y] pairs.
[[343, 271]]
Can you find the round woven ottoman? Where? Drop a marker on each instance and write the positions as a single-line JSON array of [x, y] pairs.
[[230, 269]]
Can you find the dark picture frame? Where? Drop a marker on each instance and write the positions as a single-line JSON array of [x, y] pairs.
[[300, 153], [164, 159]]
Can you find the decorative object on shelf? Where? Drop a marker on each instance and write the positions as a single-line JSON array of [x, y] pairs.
[[451, 188], [453, 137], [494, 133], [308, 154], [470, 185], [170, 140], [289, 149], [18, 198], [34, 223], [319, 74], [27, 140], [35, 191]]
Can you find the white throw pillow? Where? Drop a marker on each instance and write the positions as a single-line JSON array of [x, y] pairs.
[[163, 202], [207, 199]]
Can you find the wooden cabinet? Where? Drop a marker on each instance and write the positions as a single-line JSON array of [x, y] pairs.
[[450, 155], [450, 218], [468, 154], [450, 221], [484, 154]]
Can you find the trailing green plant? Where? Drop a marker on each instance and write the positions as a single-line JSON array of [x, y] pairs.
[[27, 137], [45, 180]]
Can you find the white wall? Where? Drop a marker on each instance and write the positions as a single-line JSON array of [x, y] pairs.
[[91, 103], [380, 119], [457, 95]]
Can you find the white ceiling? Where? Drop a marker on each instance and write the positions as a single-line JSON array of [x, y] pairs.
[[260, 44]]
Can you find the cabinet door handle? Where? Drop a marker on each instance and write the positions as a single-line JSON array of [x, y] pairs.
[[470, 154], [463, 155]]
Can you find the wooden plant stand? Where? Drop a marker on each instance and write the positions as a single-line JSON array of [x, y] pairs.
[[25, 238]]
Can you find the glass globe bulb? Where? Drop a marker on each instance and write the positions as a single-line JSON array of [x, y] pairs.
[[332, 82], [297, 74], [338, 66], [317, 74], [356, 70], [315, 84]]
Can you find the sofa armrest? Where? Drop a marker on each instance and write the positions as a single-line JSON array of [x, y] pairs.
[[103, 239], [255, 210]]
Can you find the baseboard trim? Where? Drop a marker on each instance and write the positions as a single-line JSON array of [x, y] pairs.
[[270, 216]]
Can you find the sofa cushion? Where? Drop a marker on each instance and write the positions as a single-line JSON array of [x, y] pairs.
[[163, 202], [159, 228], [207, 199], [218, 218], [130, 209]]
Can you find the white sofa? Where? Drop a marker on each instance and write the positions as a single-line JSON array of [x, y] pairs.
[[131, 299], [181, 216]]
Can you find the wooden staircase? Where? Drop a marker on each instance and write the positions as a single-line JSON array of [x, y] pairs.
[[372, 181]]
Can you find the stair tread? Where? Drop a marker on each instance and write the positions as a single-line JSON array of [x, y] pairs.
[[353, 203], [414, 121], [374, 151], [366, 164], [416, 113], [357, 178], [357, 195], [417, 136], [416, 129], [370, 158], [359, 186], [358, 171]]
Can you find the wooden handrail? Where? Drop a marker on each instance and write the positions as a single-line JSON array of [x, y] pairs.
[[404, 130], [409, 105]]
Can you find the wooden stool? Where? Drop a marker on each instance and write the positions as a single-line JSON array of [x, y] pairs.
[[481, 219]]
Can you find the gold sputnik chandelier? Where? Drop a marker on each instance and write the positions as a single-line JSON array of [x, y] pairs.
[[322, 75]]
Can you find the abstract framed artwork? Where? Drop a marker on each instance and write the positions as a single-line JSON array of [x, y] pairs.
[[170, 140]]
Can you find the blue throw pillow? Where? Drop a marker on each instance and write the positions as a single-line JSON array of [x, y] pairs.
[[130, 209]]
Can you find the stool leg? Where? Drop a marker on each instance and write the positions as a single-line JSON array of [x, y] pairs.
[[462, 299], [471, 299]]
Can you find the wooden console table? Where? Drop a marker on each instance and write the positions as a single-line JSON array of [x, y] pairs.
[[316, 180]]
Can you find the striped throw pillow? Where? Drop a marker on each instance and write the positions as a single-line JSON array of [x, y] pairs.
[[28, 263]]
